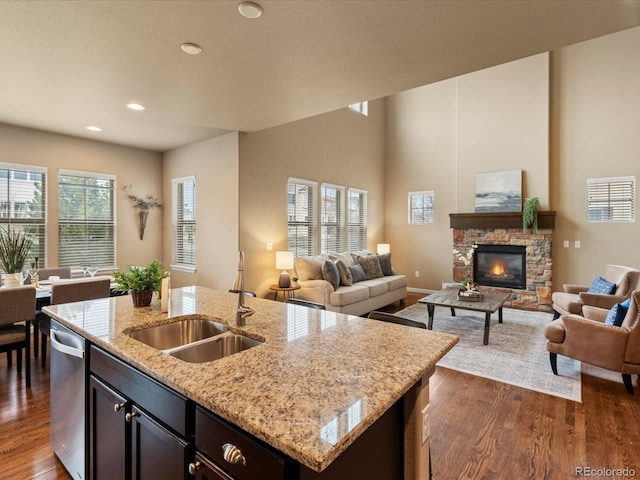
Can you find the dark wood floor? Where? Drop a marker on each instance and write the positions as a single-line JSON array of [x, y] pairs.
[[480, 429]]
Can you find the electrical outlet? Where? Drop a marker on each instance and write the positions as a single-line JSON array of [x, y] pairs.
[[565, 244], [417, 273], [426, 428], [269, 246], [576, 244]]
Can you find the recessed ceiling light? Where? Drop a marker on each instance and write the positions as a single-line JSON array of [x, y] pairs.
[[93, 128], [250, 9], [135, 106], [191, 48]]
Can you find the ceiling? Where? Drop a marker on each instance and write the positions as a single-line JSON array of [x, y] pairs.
[[69, 64]]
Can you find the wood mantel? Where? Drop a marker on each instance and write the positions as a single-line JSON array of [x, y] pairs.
[[491, 220]]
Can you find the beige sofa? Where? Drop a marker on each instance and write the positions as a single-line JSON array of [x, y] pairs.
[[358, 298]]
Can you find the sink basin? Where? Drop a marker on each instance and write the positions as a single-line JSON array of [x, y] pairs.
[[177, 334], [214, 348]]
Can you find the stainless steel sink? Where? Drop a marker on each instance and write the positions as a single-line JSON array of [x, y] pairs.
[[214, 348], [177, 334]]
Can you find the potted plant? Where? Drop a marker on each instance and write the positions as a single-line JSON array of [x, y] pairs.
[[15, 246], [530, 214], [141, 282]]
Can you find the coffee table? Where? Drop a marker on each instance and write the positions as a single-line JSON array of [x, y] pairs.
[[489, 303]]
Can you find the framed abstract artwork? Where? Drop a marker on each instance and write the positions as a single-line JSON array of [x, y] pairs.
[[499, 191]]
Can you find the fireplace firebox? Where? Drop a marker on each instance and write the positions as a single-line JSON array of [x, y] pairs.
[[500, 266]]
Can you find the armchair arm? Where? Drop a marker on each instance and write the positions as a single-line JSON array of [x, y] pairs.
[[600, 300], [569, 288], [314, 290], [595, 313]]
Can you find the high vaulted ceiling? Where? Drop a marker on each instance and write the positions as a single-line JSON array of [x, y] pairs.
[[65, 65]]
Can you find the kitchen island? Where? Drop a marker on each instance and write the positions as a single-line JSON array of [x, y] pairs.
[[317, 383]]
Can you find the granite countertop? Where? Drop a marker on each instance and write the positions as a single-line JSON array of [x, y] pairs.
[[315, 368]]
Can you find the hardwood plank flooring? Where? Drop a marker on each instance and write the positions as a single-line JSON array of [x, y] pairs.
[[480, 429]]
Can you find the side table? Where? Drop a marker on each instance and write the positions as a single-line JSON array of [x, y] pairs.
[[287, 292]]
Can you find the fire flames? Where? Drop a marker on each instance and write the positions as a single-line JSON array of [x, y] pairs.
[[497, 269]]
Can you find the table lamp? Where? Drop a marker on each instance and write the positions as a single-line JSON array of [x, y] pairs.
[[284, 262], [383, 248]]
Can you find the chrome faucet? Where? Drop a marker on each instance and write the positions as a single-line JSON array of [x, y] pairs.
[[243, 311]]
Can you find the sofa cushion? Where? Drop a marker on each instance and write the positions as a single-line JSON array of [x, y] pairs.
[[600, 285], [376, 286], [330, 273], [346, 258], [617, 313], [348, 295], [310, 268], [345, 274], [371, 266], [357, 273], [396, 281], [385, 264]]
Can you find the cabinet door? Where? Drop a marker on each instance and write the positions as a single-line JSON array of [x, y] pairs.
[[108, 447], [157, 454]]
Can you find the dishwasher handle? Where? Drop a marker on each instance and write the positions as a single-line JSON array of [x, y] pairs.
[[75, 347]]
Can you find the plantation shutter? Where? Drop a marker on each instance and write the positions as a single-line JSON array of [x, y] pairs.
[[86, 219], [184, 223], [332, 219], [611, 199], [302, 217], [357, 204], [23, 205]]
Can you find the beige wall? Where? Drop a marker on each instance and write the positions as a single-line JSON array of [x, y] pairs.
[[141, 168], [441, 135], [341, 147], [595, 133], [214, 163]]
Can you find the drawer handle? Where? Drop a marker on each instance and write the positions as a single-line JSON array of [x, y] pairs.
[[117, 407], [193, 467], [232, 454], [129, 416]]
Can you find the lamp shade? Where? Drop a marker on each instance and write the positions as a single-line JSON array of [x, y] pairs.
[[383, 248], [284, 260]]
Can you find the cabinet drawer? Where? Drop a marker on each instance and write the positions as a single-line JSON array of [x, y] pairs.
[[260, 461], [168, 406]]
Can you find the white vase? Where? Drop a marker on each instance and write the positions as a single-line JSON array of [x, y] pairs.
[[10, 280]]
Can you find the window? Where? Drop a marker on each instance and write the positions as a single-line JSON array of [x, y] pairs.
[[301, 214], [420, 208], [357, 215], [184, 224], [332, 219], [361, 107], [86, 219], [611, 199], [22, 204]]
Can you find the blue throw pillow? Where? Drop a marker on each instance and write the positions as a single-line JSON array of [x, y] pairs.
[[600, 285], [617, 313], [357, 273]]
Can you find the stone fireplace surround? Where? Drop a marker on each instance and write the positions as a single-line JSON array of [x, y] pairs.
[[506, 229]]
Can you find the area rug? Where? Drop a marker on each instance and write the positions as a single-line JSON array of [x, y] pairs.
[[516, 353]]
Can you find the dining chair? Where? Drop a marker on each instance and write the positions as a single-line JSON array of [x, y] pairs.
[[68, 292], [305, 303], [391, 318], [17, 305]]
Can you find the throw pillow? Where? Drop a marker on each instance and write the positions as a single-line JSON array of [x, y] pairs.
[[346, 258], [385, 264], [617, 313], [330, 273], [357, 273], [600, 285], [371, 266], [345, 274]]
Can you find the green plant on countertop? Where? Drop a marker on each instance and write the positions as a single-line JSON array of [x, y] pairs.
[[15, 246], [530, 214], [140, 278]]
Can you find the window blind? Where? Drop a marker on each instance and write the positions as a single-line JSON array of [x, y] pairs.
[[184, 223], [301, 215], [421, 207], [23, 205], [611, 199], [332, 218], [357, 219], [86, 219]]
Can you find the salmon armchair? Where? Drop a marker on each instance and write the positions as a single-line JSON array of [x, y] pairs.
[[589, 339], [571, 300]]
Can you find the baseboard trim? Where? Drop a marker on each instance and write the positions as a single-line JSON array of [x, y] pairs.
[[419, 290]]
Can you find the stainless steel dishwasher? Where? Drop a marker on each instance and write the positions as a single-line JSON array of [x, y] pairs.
[[67, 379]]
